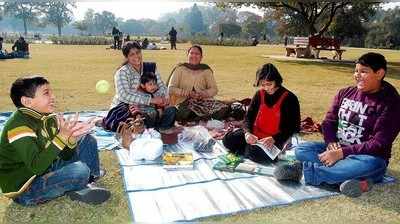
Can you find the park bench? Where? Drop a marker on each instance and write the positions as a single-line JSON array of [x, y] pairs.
[[311, 46]]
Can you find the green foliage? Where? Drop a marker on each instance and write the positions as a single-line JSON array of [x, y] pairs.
[[81, 26], [350, 25], [254, 28], [230, 29], [227, 41], [133, 26], [97, 23], [304, 17], [58, 13], [81, 40], [27, 11], [105, 21], [195, 20], [385, 32]]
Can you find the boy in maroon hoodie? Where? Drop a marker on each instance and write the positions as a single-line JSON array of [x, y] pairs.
[[358, 130]]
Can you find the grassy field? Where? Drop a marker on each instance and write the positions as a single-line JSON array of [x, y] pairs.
[[74, 70]]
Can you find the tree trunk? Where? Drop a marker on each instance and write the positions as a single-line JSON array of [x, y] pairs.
[[59, 30], [25, 27]]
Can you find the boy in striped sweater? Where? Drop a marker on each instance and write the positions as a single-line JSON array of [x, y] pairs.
[[44, 156]]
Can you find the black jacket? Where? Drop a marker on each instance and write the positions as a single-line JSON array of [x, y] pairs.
[[290, 114]]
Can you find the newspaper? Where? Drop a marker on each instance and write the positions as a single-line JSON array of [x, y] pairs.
[[272, 152]]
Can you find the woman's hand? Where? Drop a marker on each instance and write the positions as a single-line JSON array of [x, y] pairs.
[[203, 94], [250, 138], [198, 95], [267, 142], [194, 95]]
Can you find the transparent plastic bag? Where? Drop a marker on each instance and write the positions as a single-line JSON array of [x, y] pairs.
[[199, 137]]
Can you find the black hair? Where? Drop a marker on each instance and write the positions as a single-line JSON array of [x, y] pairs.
[[1, 38], [148, 77], [25, 86], [127, 47], [373, 60], [196, 46], [130, 45], [268, 72]]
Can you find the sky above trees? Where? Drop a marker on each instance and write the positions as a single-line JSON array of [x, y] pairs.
[[150, 9]]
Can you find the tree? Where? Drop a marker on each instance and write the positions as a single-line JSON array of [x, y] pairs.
[[230, 29], [105, 21], [385, 31], [195, 20], [254, 28], [58, 13], [81, 26], [88, 20], [27, 11], [245, 16], [1, 10], [350, 25], [133, 26], [252, 23], [314, 17]]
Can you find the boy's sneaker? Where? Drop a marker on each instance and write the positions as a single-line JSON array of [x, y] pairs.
[[354, 188], [93, 179], [90, 195], [289, 171]]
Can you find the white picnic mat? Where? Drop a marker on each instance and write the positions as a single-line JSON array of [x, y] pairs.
[[159, 195]]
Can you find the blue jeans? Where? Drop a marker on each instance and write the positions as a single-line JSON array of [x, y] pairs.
[[351, 167], [63, 176]]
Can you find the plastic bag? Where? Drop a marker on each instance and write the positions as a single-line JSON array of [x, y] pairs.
[[199, 137]]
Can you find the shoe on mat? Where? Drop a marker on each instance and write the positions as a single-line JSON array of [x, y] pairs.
[[90, 195], [289, 171], [92, 179], [354, 188]]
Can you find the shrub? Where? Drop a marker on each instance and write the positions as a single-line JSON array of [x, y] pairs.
[[226, 42], [82, 40]]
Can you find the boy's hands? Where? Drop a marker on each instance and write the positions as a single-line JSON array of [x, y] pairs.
[[330, 157], [71, 128]]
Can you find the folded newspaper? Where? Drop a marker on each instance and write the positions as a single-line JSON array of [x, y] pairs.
[[272, 152]]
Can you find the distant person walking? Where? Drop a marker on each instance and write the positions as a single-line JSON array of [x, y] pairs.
[[115, 33], [120, 39], [172, 38], [221, 38], [286, 40], [1, 43]]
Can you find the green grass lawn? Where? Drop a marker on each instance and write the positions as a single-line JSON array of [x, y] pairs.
[[74, 70]]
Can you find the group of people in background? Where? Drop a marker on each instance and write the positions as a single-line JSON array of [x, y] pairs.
[[119, 40], [358, 130], [20, 49]]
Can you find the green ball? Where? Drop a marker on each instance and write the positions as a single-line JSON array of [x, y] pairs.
[[102, 86]]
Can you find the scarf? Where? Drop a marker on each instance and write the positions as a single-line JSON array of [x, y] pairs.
[[189, 66]]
